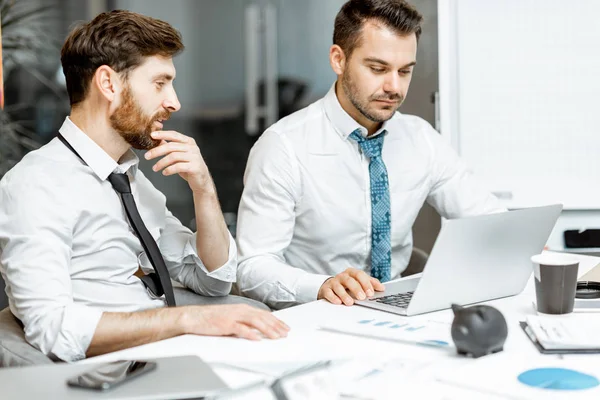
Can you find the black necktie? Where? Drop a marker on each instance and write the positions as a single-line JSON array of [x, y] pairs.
[[158, 283], [120, 183]]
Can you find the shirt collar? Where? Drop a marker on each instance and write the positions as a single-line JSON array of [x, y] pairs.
[[94, 156], [343, 123]]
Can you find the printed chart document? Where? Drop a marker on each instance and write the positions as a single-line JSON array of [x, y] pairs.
[[528, 378], [569, 333], [422, 333]]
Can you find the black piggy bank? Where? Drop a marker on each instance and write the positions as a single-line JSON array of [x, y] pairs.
[[478, 330]]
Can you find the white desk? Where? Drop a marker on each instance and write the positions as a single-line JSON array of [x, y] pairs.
[[306, 343]]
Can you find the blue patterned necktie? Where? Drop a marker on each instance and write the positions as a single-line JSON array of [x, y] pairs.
[[381, 220]]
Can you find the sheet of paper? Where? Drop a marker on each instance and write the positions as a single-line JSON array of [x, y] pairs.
[[592, 275], [236, 378], [566, 332], [371, 378], [423, 333], [268, 369], [503, 374]]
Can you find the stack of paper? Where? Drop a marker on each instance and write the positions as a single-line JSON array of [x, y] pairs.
[[569, 333]]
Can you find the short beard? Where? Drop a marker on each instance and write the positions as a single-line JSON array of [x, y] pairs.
[[352, 93], [133, 125]]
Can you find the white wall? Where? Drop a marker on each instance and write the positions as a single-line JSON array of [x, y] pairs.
[[519, 85]]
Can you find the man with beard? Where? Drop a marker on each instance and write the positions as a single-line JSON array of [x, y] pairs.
[[87, 245], [332, 191]]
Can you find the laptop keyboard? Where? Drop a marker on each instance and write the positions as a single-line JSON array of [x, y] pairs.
[[398, 300]]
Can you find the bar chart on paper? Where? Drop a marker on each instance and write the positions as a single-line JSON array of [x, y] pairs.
[[423, 333]]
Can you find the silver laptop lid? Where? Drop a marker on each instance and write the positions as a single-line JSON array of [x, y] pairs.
[[484, 257]]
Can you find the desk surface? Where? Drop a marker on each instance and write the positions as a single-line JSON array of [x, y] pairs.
[[306, 343]]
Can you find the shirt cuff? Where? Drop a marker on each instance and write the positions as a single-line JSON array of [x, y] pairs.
[[76, 332], [225, 273], [308, 285]]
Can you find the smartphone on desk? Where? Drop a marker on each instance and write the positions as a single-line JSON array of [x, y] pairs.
[[107, 376]]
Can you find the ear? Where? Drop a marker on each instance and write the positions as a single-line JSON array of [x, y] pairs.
[[337, 59], [107, 82]]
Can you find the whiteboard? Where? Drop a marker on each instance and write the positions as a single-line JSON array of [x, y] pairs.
[[520, 96]]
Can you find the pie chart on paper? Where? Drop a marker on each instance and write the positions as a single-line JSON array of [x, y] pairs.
[[558, 379]]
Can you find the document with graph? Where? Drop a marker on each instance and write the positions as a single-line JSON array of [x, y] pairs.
[[419, 332], [564, 334]]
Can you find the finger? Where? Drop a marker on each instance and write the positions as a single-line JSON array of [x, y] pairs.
[[277, 325], [257, 322], [172, 136], [178, 168], [380, 287], [171, 159], [165, 148], [340, 291], [364, 280], [246, 332], [265, 322], [331, 297], [353, 286], [324, 286], [282, 326]]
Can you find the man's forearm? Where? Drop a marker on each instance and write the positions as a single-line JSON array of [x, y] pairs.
[[118, 331], [212, 236]]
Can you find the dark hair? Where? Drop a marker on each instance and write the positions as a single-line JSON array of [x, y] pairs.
[[396, 14], [119, 39]]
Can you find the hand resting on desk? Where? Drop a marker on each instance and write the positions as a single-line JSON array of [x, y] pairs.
[[120, 330], [349, 285], [238, 320]]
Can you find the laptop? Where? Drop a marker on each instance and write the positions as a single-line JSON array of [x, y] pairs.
[[181, 377], [474, 259]]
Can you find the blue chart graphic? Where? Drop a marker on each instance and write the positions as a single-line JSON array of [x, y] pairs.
[[558, 379], [403, 327]]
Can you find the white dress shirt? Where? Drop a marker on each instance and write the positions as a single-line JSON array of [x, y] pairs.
[[68, 253], [305, 213]]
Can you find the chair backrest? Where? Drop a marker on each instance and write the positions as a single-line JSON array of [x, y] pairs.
[[416, 264], [3, 298], [14, 349]]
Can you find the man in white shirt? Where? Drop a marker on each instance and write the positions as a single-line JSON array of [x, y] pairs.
[[332, 191], [69, 256]]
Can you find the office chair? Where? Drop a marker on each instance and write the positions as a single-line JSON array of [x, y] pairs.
[[14, 349], [416, 264]]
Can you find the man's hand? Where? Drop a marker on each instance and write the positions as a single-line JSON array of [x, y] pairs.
[[352, 283], [238, 320], [181, 156], [121, 330]]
